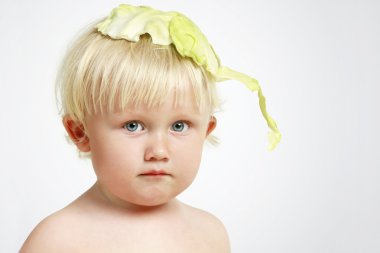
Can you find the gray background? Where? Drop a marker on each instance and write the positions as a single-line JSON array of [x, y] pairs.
[[318, 63]]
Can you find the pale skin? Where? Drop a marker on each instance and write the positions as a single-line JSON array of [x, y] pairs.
[[143, 158]]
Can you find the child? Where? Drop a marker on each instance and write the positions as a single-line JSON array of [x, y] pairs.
[[138, 95]]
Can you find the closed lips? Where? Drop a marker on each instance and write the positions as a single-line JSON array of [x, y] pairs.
[[155, 173]]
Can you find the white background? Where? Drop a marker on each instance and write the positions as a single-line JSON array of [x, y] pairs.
[[319, 65]]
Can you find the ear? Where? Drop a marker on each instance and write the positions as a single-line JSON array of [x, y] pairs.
[[211, 125], [77, 133]]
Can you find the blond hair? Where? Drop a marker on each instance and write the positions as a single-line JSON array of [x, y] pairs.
[[100, 74]]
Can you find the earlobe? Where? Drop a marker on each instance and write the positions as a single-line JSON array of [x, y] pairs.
[[76, 133], [211, 125]]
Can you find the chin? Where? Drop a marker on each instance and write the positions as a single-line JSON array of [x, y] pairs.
[[154, 199], [152, 202]]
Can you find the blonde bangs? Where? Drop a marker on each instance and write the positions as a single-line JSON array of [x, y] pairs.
[[100, 74]]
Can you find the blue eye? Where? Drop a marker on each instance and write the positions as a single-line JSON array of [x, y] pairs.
[[133, 126], [179, 126]]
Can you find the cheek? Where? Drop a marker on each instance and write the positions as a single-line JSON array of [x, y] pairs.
[[188, 159], [116, 167], [115, 158]]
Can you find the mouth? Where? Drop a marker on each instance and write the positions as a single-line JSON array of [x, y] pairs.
[[155, 173]]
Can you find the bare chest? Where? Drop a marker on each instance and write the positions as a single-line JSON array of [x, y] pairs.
[[149, 238]]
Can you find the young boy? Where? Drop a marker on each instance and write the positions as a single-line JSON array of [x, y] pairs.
[[138, 95]]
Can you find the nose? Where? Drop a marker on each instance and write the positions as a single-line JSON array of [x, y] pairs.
[[157, 148]]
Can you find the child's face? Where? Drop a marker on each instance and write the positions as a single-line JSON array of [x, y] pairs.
[[148, 156]]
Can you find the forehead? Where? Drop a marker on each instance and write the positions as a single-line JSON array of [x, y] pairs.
[[174, 103], [160, 95]]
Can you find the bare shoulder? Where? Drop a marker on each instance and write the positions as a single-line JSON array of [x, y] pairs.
[[210, 227], [52, 234]]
